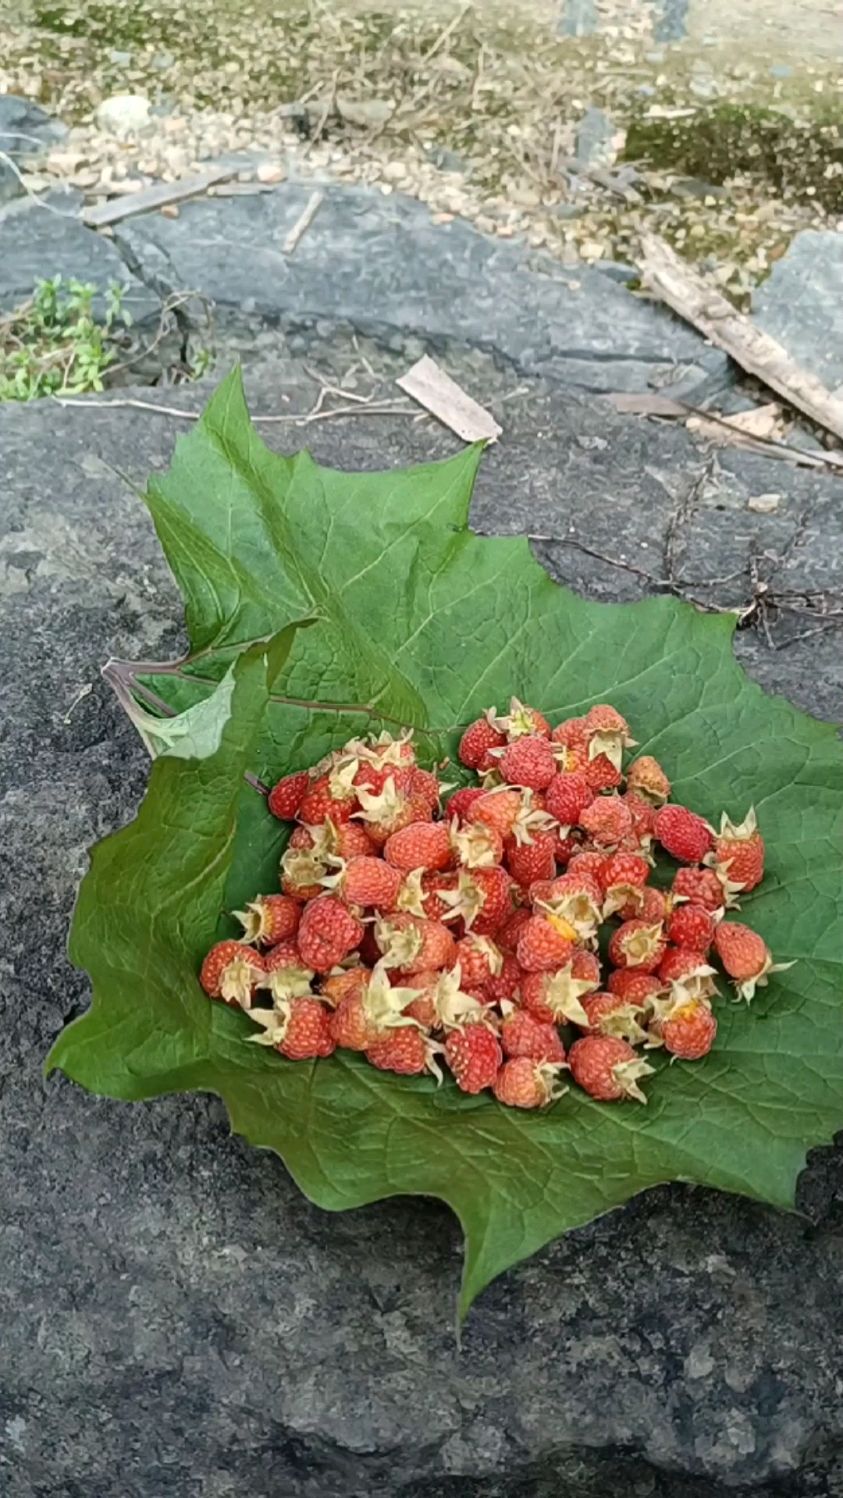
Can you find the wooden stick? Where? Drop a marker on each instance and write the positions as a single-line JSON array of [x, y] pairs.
[[303, 222], [442, 396], [150, 198], [692, 298]]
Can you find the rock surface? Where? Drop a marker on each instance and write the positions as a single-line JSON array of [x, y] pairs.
[[383, 265], [801, 303], [26, 131], [38, 242], [178, 1320]]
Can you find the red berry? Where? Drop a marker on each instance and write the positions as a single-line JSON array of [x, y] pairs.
[[422, 845], [521, 720], [461, 800], [299, 1028], [682, 833], [622, 878], [524, 1083], [478, 739], [286, 795], [631, 984], [688, 973], [522, 1034], [330, 795], [638, 944], [691, 926], [557, 997], [302, 872], [643, 816], [646, 777], [528, 761], [478, 960], [567, 796], [530, 861], [607, 1068], [505, 984], [410, 943], [738, 853], [544, 944], [745, 956], [231, 972], [327, 933], [702, 886], [688, 1029], [477, 846], [474, 1056], [407, 1051], [483, 899], [506, 936], [270, 919], [286, 975], [613, 1014], [369, 881]]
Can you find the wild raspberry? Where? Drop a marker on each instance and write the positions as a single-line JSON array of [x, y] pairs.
[[687, 973], [476, 846], [643, 817], [478, 739], [286, 795], [682, 833], [522, 1034], [482, 899], [530, 861], [285, 974], [702, 886], [330, 795], [622, 878], [479, 960], [523, 1083], [691, 925], [528, 761], [459, 803], [298, 1028], [576, 899], [409, 943], [270, 919], [474, 1056], [646, 777], [390, 810], [407, 1051], [506, 983], [746, 957], [631, 984], [638, 944], [521, 720], [231, 972], [327, 933], [368, 882], [687, 1029], [613, 1014], [364, 1016], [607, 1068], [545, 943], [557, 997], [567, 796], [422, 845], [738, 853]]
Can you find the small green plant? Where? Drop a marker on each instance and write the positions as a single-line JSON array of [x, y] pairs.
[[52, 344]]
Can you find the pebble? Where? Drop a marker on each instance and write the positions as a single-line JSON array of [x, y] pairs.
[[123, 114], [270, 172]]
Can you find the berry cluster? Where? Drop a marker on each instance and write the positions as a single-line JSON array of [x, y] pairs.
[[471, 935]]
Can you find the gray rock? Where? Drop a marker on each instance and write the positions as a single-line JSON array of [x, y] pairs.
[[594, 138], [181, 1321], [26, 131], [37, 244], [801, 303], [382, 264]]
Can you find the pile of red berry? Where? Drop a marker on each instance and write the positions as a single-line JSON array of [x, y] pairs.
[[468, 933]]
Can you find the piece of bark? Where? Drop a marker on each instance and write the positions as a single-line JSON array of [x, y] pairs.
[[691, 297], [149, 198], [444, 399]]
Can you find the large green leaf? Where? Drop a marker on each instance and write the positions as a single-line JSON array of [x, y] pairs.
[[417, 621]]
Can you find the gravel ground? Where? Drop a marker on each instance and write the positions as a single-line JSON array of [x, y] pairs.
[[575, 126]]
